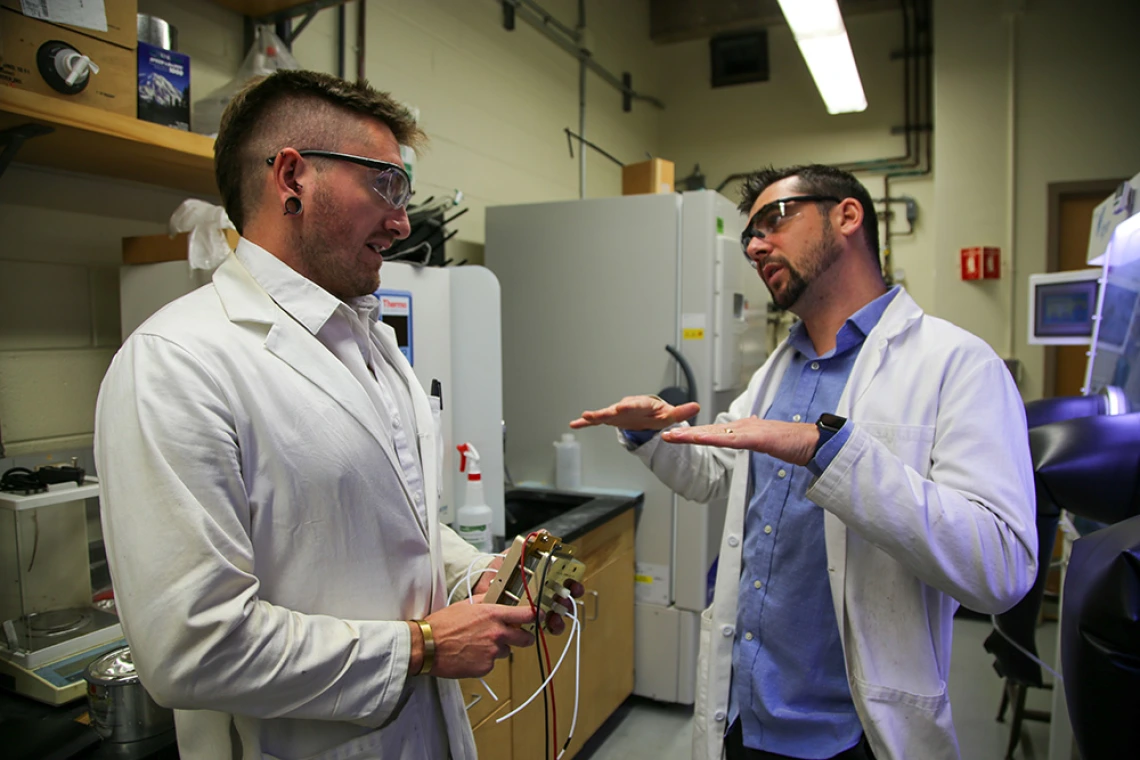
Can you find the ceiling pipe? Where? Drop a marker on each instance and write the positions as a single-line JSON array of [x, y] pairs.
[[532, 13]]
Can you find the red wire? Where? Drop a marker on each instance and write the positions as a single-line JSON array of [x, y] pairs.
[[545, 651]]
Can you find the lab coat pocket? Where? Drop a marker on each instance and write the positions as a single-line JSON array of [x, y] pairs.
[[902, 724], [437, 429], [912, 444]]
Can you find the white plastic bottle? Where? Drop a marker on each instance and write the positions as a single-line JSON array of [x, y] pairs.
[[568, 465], [473, 519]]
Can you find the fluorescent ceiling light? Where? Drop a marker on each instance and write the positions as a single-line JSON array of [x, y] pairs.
[[818, 28]]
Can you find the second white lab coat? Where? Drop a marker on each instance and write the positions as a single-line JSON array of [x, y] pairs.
[[263, 541], [928, 504]]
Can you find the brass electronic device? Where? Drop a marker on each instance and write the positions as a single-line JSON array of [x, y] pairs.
[[548, 564]]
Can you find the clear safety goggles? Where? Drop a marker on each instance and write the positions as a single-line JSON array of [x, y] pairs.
[[391, 183], [770, 216]]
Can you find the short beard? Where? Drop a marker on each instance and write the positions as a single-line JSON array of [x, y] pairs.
[[324, 264], [822, 257]]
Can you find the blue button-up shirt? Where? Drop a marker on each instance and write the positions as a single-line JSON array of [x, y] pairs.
[[789, 687]]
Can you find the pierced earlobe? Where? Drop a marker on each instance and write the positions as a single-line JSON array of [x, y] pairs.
[[293, 206]]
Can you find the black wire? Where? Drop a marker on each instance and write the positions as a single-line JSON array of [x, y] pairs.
[[541, 591], [541, 667]]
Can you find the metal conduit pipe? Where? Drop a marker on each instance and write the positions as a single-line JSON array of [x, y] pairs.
[[581, 100], [524, 10]]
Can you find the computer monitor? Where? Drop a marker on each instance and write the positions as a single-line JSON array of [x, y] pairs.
[[1062, 306]]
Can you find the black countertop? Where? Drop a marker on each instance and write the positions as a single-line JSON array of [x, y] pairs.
[[577, 522], [30, 730]]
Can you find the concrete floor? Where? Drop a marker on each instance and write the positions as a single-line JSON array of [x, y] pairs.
[[647, 730]]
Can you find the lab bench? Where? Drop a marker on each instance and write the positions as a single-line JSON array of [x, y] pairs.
[[601, 529]]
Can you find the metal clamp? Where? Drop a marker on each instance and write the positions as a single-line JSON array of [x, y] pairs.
[[597, 604]]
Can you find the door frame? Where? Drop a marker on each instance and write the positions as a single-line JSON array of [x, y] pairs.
[[1057, 191]]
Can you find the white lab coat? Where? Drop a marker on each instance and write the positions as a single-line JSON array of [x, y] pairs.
[[928, 504], [262, 539]]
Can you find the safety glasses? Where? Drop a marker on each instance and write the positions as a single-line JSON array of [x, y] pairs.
[[770, 216], [391, 183]]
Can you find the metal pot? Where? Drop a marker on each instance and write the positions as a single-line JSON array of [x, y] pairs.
[[121, 710], [158, 32]]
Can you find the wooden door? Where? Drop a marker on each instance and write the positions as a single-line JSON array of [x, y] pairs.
[[1075, 216]]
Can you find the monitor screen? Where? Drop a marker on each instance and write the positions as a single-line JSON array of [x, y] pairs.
[[1064, 309]]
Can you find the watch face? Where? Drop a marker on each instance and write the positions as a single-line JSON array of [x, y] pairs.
[[831, 421]]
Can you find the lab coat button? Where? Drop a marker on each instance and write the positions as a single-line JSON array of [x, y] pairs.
[[719, 715], [727, 630], [733, 541], [767, 528]]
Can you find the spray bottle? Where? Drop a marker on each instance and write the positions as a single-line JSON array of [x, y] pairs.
[[473, 520]]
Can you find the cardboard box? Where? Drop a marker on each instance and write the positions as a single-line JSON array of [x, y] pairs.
[[114, 88], [122, 22], [164, 87], [653, 176], [155, 249]]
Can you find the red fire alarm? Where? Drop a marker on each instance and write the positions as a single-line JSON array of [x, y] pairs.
[[991, 263], [981, 263]]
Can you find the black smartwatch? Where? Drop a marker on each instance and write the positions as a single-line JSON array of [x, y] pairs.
[[828, 425]]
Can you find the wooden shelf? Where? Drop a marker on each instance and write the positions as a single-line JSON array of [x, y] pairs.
[[99, 142]]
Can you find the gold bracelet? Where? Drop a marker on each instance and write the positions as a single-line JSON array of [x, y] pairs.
[[429, 647]]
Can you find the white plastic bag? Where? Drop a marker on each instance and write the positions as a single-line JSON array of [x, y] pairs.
[[205, 222], [267, 55]]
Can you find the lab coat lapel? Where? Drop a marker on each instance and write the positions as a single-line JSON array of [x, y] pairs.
[[245, 301], [900, 314]]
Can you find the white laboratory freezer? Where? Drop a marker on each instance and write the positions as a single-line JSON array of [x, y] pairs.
[[592, 293]]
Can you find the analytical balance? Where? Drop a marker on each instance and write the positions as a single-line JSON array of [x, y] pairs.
[[51, 630]]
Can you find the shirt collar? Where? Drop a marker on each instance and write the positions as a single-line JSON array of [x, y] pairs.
[[300, 297], [853, 332]]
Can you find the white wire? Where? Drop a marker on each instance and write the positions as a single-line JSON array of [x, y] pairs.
[[575, 630], [577, 674], [1023, 650]]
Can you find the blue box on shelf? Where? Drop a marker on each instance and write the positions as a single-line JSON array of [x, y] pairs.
[[164, 86]]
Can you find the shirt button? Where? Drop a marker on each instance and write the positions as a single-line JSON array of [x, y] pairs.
[[757, 584], [748, 636], [796, 418], [727, 630], [733, 541], [767, 528], [815, 365], [782, 473], [719, 715]]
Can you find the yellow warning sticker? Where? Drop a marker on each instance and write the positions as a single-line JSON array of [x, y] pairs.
[[643, 579], [693, 333]]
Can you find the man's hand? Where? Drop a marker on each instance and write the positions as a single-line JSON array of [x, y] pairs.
[[638, 413], [470, 637], [553, 622], [792, 442]]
